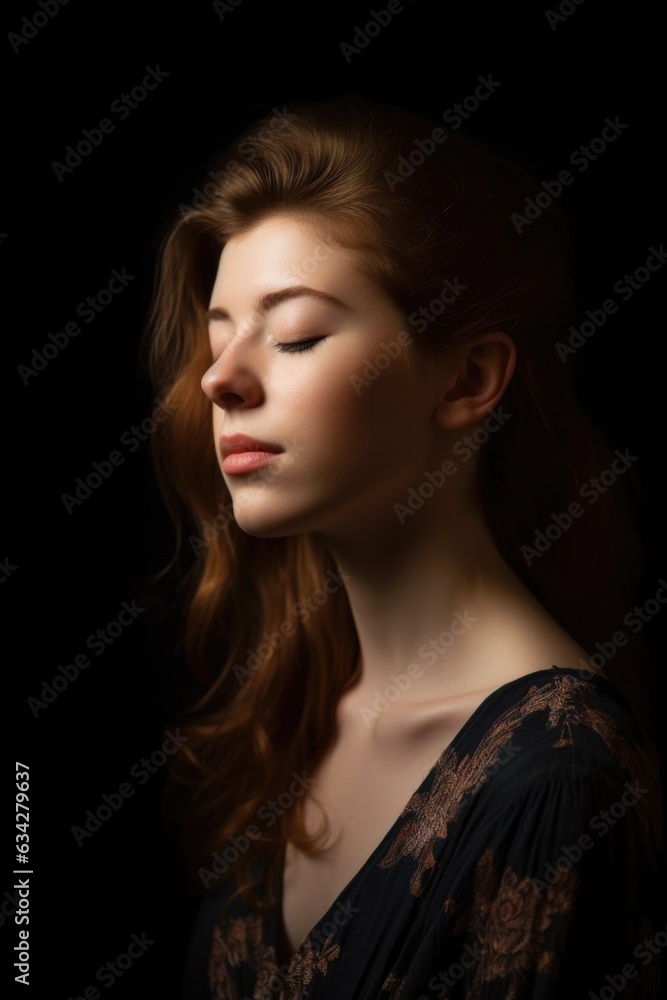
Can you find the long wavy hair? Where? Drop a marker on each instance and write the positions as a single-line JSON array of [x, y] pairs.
[[417, 214]]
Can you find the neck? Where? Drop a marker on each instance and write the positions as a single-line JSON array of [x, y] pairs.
[[434, 601]]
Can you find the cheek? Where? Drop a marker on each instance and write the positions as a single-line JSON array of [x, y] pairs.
[[355, 414], [380, 397]]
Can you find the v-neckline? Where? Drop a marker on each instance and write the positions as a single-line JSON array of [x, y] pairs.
[[280, 926]]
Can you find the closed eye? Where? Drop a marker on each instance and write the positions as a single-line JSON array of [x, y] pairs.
[[297, 345]]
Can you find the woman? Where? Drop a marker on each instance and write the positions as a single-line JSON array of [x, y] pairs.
[[405, 777]]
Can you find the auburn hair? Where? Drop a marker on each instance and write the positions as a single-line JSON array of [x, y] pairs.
[[416, 220]]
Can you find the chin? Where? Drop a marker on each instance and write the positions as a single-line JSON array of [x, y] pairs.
[[261, 524], [262, 531]]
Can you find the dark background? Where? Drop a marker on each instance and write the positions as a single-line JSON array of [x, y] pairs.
[[61, 239]]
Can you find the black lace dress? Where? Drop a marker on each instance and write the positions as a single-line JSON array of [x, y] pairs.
[[528, 864]]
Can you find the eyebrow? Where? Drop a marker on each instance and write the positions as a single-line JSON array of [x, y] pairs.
[[272, 299]]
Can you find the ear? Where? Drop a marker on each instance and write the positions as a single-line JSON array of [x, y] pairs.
[[476, 377]]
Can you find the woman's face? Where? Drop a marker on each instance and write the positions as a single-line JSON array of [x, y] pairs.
[[308, 357]]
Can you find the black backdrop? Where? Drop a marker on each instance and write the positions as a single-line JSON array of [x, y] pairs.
[[69, 567]]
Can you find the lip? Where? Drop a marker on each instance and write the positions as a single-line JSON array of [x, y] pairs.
[[230, 444], [241, 453]]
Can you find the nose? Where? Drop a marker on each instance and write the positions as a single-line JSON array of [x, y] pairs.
[[232, 381]]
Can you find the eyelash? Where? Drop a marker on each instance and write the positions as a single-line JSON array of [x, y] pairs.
[[298, 345]]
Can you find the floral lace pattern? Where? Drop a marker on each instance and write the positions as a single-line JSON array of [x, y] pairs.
[[494, 869]]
